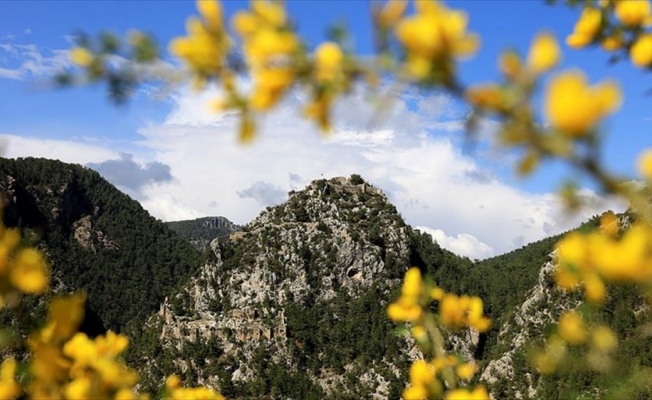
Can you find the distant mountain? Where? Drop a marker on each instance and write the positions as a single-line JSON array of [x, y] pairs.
[[96, 238], [201, 231]]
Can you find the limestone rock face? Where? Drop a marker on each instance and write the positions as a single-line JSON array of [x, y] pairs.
[[320, 252], [525, 325]]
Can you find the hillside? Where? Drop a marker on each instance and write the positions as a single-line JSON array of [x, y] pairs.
[[96, 238]]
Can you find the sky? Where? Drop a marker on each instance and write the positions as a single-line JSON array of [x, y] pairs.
[[180, 160]]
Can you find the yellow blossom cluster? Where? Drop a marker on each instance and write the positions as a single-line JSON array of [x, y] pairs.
[[574, 108], [176, 392], [573, 331], [617, 25], [67, 364], [444, 373], [64, 363], [433, 38], [205, 48], [429, 379], [271, 49], [461, 311], [601, 256], [22, 269]]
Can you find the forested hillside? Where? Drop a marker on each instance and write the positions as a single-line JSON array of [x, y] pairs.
[[96, 238]]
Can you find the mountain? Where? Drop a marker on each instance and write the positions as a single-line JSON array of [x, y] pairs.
[[96, 238], [295, 302], [201, 231]]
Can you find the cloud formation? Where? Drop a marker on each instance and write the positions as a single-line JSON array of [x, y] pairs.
[[23, 61], [412, 150], [265, 193], [132, 176], [462, 244]]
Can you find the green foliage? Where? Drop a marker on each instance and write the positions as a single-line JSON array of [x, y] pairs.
[[126, 260]]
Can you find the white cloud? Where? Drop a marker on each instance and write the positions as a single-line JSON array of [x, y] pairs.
[[30, 61], [13, 146], [462, 244], [422, 170], [424, 173]]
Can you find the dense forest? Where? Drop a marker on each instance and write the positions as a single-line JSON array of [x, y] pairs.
[[96, 238]]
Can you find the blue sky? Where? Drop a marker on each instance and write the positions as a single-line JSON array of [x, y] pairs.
[[181, 162]]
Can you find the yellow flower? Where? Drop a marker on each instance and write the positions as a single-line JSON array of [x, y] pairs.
[[633, 13], [645, 164], [415, 393], [29, 273], [419, 333], [489, 96], [574, 108], [244, 23], [79, 388], [586, 28], [65, 314], [211, 12], [603, 339], [413, 284], [479, 393], [544, 53], [434, 36], [392, 12], [421, 374], [125, 394], [404, 313], [173, 382], [466, 371], [594, 287], [111, 344], [437, 293], [269, 12], [641, 51], [328, 61], [510, 64], [571, 328], [612, 43], [9, 388], [81, 56]]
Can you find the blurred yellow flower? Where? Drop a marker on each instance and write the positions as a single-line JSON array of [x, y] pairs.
[[586, 28], [571, 328], [434, 36], [29, 273], [81, 56], [415, 393], [421, 373], [466, 371], [544, 53], [211, 12], [603, 339], [641, 51], [633, 13], [479, 393], [644, 164], [9, 388], [574, 108], [392, 12], [328, 62], [612, 43]]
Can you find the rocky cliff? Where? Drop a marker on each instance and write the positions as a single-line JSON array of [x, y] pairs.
[[295, 301]]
